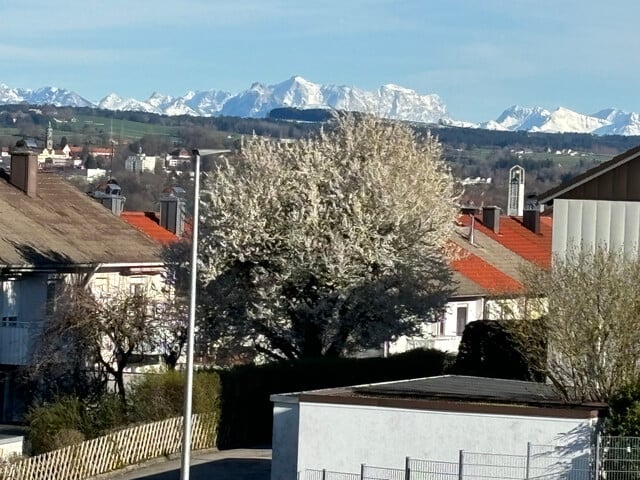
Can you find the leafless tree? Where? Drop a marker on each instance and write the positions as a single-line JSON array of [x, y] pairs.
[[98, 336], [581, 323]]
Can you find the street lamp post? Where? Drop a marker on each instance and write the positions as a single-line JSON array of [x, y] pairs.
[[188, 390]]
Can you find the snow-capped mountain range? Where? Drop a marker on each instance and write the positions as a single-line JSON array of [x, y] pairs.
[[389, 101]]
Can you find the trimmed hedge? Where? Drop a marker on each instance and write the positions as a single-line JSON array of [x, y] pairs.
[[487, 349], [247, 413]]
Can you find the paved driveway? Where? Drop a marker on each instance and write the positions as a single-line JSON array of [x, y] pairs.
[[239, 464]]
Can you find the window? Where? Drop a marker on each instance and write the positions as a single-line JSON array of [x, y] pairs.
[[52, 288], [137, 286], [9, 303], [461, 316], [11, 321]]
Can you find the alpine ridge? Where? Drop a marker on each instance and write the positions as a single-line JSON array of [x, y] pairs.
[[389, 101]]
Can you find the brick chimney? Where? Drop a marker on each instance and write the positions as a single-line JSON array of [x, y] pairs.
[[172, 209], [491, 218], [24, 169]]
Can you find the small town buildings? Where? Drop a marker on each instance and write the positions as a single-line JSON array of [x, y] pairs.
[[50, 232], [49, 157], [340, 429]]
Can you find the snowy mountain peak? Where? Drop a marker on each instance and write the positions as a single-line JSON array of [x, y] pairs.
[[390, 101]]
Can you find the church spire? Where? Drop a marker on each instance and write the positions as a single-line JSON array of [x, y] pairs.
[[49, 137]]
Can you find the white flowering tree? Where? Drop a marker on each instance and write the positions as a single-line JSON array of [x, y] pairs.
[[326, 245]]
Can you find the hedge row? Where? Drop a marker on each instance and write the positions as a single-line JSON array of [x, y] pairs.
[[247, 412]]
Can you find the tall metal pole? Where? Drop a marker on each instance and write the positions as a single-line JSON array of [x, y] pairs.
[[188, 390]]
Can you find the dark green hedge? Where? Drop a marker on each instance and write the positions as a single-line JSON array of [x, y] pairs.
[[247, 413]]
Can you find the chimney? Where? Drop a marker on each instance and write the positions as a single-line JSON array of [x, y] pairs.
[[24, 169], [110, 196], [172, 209], [491, 218], [471, 211], [531, 214]]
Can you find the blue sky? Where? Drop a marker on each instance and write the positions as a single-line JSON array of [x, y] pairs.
[[479, 56]]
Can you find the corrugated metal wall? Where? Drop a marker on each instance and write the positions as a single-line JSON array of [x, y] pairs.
[[587, 223]]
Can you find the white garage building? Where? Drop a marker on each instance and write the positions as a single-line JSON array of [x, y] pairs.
[[429, 418]]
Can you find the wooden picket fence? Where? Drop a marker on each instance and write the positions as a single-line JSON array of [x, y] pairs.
[[113, 451]]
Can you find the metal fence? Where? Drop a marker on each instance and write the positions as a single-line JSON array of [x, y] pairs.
[[327, 475], [609, 458], [618, 458], [368, 472]]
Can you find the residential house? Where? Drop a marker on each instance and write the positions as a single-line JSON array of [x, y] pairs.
[[49, 232], [490, 251], [434, 419], [177, 157], [140, 162], [600, 207]]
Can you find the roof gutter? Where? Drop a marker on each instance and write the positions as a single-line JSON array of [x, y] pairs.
[[53, 268]]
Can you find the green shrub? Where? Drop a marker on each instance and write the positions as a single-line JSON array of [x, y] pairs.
[[67, 436], [624, 412], [158, 396], [104, 416], [488, 349], [69, 420], [46, 421]]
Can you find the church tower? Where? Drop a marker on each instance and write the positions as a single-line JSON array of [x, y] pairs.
[[515, 202], [49, 137]]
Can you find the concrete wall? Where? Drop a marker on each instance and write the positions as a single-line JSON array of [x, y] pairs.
[[341, 437], [285, 434]]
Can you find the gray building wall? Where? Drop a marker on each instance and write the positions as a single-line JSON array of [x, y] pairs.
[[340, 437]]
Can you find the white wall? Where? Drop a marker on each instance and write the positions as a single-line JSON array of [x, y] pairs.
[[588, 223], [10, 446], [341, 437], [441, 335]]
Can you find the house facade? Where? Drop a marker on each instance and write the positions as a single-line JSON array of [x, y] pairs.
[[490, 250], [51, 233], [140, 162], [600, 207]]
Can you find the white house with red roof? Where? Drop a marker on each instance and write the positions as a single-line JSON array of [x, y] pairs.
[[490, 251]]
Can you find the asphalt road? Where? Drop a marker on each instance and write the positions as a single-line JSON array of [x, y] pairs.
[[239, 464]]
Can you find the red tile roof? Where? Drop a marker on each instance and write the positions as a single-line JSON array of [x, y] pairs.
[[149, 223], [484, 274], [533, 247]]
